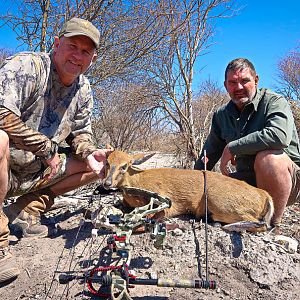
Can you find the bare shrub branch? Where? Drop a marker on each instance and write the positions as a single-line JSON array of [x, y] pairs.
[[288, 83]]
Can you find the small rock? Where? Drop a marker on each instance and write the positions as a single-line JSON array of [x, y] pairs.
[[226, 292], [288, 243], [13, 238], [153, 275], [177, 232]]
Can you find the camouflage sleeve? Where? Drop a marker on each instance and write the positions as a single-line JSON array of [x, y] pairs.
[[82, 145], [22, 136], [20, 79], [80, 139]]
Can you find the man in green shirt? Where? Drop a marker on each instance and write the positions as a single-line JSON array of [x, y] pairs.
[[255, 131]]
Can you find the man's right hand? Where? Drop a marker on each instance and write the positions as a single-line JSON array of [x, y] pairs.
[[54, 163], [97, 160]]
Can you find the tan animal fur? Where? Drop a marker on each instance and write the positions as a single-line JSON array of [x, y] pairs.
[[229, 200]]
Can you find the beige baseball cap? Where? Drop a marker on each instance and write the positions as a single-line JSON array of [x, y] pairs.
[[77, 26]]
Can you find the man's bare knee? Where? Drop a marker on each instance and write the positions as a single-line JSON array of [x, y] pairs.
[[269, 160], [3, 138], [4, 144]]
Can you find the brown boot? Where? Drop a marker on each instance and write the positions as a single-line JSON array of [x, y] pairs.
[[25, 213], [8, 267], [29, 225]]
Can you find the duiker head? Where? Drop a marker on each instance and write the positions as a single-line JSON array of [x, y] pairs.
[[118, 164]]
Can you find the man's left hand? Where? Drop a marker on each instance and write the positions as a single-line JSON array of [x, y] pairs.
[[226, 157]]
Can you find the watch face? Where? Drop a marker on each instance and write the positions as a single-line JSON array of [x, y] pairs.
[[53, 150]]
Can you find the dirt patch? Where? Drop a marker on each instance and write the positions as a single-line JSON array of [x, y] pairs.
[[244, 266]]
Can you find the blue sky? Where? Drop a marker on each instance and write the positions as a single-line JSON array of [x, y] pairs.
[[264, 31]]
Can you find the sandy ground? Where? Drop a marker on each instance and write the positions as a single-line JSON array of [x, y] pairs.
[[244, 266]]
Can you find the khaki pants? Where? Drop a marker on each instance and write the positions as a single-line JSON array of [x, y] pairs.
[[4, 231], [249, 177], [36, 197], [295, 192], [34, 182]]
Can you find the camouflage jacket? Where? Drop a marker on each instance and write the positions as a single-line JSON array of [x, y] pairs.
[[35, 107]]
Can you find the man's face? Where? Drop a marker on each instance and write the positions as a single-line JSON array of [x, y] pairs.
[[241, 86], [72, 56]]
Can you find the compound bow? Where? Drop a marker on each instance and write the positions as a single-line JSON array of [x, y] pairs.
[[115, 279]]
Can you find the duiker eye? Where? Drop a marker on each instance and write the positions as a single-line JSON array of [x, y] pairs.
[[123, 168]]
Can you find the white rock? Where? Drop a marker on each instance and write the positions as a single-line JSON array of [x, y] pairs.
[[177, 232], [288, 243]]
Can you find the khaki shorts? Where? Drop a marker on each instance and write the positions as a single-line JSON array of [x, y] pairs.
[[249, 177], [19, 185], [295, 192]]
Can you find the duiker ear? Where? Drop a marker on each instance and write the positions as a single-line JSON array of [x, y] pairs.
[[140, 158], [110, 147]]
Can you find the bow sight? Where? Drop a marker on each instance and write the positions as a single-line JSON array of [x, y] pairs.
[[115, 279]]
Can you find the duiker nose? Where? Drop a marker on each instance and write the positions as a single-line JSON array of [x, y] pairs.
[[107, 183]]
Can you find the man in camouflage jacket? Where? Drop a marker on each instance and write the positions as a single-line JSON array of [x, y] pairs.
[[45, 101]]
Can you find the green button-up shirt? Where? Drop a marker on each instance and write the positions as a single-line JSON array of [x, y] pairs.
[[265, 123]]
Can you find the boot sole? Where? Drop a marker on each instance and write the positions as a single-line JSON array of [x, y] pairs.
[[38, 236], [9, 274]]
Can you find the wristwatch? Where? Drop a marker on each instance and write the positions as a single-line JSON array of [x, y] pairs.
[[53, 151]]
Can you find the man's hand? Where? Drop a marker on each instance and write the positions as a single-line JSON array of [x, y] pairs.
[[54, 163], [97, 160], [226, 157]]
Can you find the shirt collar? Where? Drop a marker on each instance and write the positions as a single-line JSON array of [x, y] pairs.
[[256, 99], [232, 109]]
